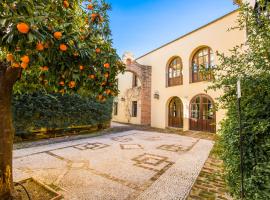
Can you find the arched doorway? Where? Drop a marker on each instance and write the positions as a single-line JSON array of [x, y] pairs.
[[175, 112], [202, 114]]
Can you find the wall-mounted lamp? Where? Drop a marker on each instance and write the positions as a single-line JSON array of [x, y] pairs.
[[123, 99], [156, 95]]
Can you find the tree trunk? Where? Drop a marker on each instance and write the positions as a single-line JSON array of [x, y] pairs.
[[8, 77]]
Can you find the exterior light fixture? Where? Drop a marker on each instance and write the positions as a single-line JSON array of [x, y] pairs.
[[156, 95], [123, 99]]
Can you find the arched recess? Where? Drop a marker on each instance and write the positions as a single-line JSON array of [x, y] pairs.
[[202, 56], [144, 74], [202, 114], [174, 72], [175, 112]]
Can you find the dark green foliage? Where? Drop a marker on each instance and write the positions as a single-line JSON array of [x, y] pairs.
[[251, 63], [38, 110], [256, 129]]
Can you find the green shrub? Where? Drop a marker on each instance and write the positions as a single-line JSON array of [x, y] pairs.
[[251, 63], [255, 105], [38, 110]]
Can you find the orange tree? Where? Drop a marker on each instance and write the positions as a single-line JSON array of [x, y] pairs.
[[61, 46]]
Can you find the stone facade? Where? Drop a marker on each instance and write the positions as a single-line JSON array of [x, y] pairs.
[[144, 74]]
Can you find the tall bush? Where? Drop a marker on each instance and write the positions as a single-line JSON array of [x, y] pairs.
[[251, 63]]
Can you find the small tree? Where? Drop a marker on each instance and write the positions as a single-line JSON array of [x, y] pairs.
[[251, 63], [64, 45]]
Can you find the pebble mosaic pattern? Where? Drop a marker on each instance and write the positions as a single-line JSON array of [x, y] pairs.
[[129, 165]]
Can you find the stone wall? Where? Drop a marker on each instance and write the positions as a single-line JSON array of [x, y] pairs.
[[144, 74]]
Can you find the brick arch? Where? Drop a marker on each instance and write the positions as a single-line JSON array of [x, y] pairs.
[[144, 74]]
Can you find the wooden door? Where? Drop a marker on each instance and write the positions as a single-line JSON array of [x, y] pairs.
[[202, 114], [176, 113]]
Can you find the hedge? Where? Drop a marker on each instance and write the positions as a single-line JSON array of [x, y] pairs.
[[56, 111]]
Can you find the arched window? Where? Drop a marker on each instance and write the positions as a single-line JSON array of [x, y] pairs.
[[175, 75], [202, 61]]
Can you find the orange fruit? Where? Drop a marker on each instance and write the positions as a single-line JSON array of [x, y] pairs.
[[25, 59], [81, 67], [10, 57], [16, 65], [72, 84], [90, 7], [106, 75], [63, 47], [57, 35], [23, 28], [40, 46], [24, 65], [92, 76], [62, 83], [66, 4], [94, 16], [107, 65], [81, 37], [108, 91], [98, 50], [45, 68]]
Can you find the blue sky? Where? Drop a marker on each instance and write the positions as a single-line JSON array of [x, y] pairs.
[[140, 26]]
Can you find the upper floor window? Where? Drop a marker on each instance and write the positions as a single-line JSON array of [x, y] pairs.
[[202, 61], [175, 75], [134, 81]]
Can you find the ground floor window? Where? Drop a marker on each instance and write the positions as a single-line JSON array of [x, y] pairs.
[[115, 108], [134, 108]]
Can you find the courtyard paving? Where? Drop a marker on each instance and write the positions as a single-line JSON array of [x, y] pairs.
[[129, 165]]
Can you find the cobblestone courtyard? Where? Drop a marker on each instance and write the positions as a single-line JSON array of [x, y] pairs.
[[128, 165]]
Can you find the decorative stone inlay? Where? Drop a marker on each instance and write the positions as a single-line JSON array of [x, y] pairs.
[[91, 146], [172, 147], [84, 164], [176, 147], [131, 146], [122, 139], [152, 162], [154, 138]]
